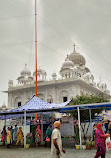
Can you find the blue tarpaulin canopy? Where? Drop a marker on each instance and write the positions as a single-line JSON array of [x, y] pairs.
[[33, 105], [36, 103]]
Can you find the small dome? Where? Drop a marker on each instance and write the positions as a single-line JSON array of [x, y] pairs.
[[68, 63], [30, 78], [20, 78], [102, 85], [25, 71], [40, 71], [77, 58], [4, 106], [89, 75], [41, 75], [86, 70], [54, 74]]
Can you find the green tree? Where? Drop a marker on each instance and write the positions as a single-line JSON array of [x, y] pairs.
[[84, 114]]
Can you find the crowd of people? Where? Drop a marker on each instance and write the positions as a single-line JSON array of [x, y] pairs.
[[101, 132], [15, 135], [12, 136]]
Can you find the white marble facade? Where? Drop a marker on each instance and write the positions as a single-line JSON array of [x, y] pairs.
[[75, 79]]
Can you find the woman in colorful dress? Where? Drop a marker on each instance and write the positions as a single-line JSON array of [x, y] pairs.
[[100, 142], [15, 134], [3, 135], [38, 136], [48, 135], [20, 136], [12, 131], [9, 137]]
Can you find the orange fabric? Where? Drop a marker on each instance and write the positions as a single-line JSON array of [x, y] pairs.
[[36, 117], [56, 124], [47, 139]]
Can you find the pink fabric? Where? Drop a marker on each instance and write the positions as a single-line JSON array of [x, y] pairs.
[[99, 128], [38, 131], [2, 139], [38, 127], [100, 142], [3, 135]]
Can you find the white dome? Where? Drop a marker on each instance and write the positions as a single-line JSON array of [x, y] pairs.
[[68, 63], [41, 74], [54, 74], [86, 70], [30, 78], [102, 85], [20, 78], [40, 71], [4, 106], [88, 76], [77, 58], [25, 71]]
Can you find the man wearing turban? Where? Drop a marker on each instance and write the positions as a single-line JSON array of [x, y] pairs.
[[56, 145]]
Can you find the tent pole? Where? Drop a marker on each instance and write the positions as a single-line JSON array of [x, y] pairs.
[[42, 128], [91, 123], [5, 120], [24, 129], [21, 120], [79, 127]]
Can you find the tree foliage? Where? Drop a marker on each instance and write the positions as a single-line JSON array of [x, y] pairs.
[[84, 114]]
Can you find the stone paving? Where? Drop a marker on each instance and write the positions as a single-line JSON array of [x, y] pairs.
[[18, 152]]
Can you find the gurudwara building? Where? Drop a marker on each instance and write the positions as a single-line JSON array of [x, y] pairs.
[[76, 79]]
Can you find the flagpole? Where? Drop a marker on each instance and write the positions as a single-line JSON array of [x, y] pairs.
[[36, 47], [36, 52]]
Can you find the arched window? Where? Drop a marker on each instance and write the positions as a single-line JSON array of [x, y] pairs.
[[18, 102], [50, 99], [64, 95]]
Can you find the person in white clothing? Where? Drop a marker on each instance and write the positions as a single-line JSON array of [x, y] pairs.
[[56, 143]]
